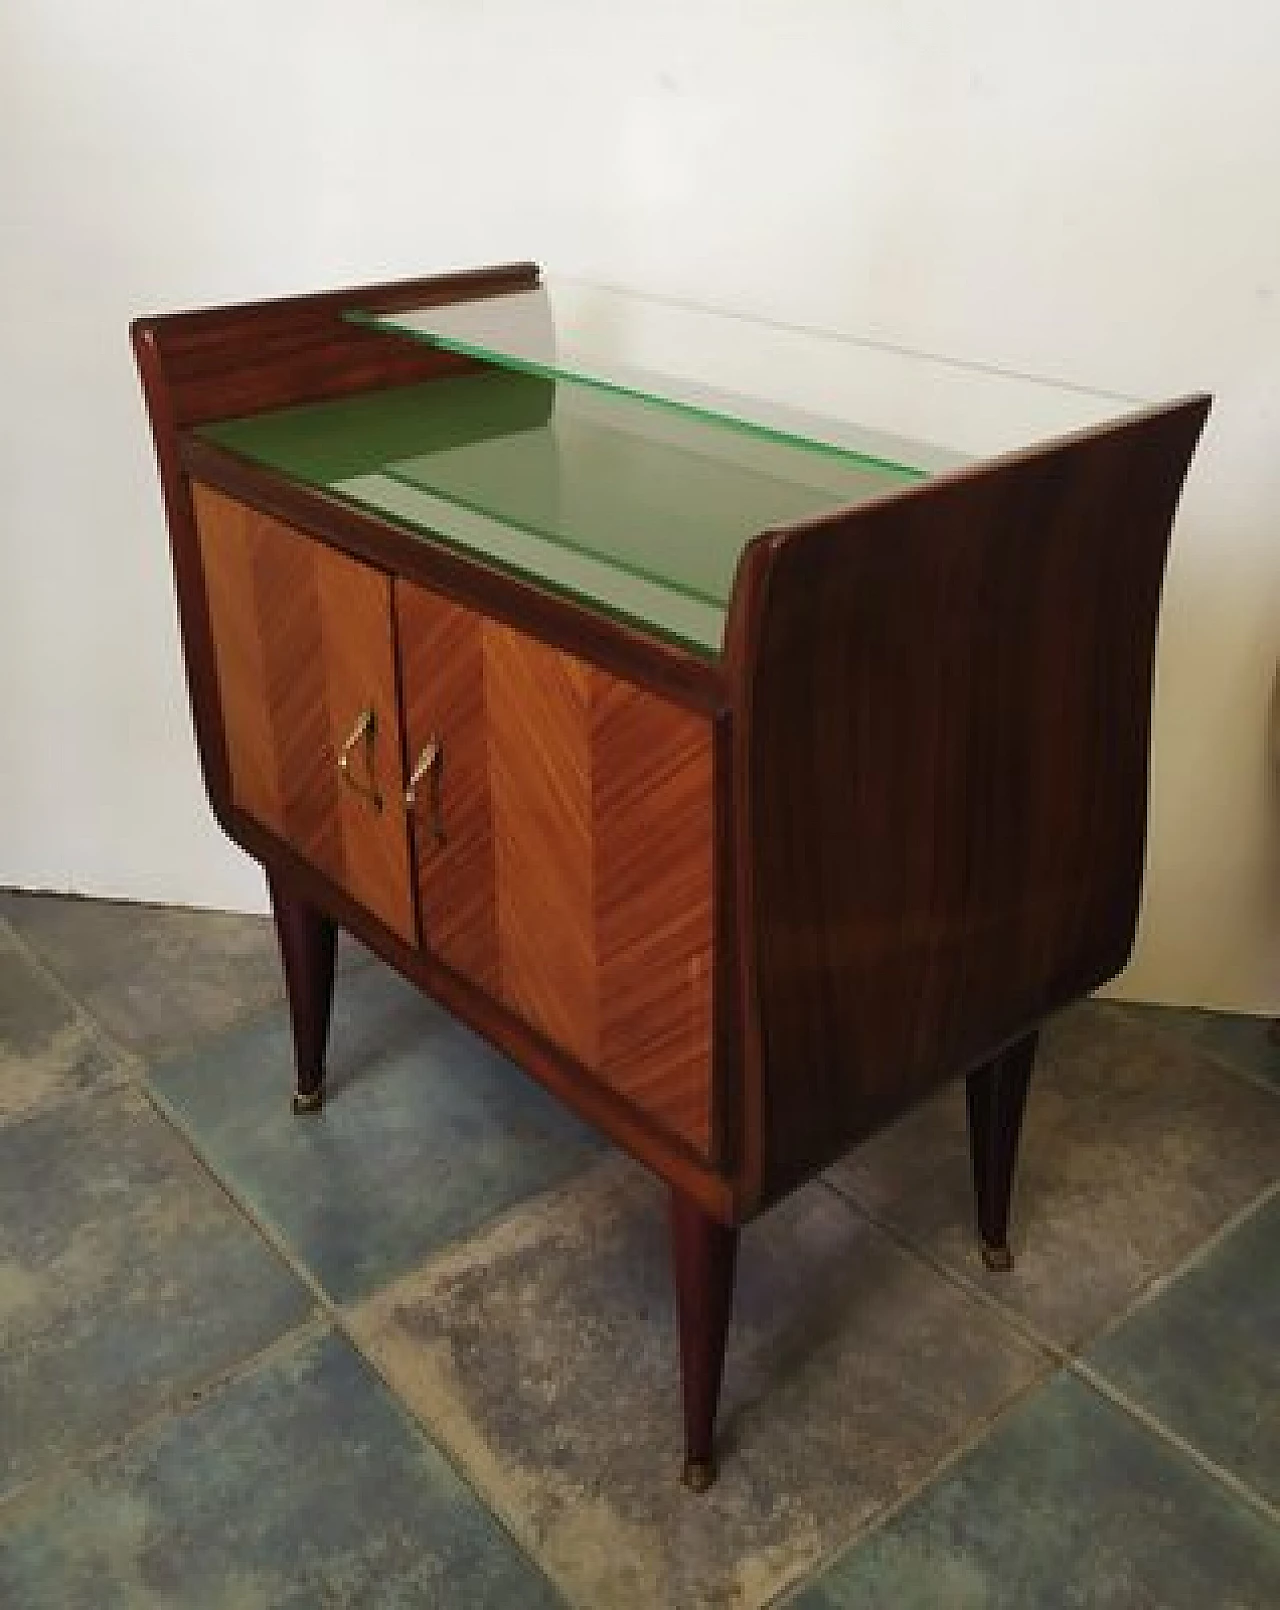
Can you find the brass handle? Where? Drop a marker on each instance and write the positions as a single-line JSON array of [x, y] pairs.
[[363, 733], [430, 764]]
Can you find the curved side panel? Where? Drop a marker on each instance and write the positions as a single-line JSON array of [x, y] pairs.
[[942, 772]]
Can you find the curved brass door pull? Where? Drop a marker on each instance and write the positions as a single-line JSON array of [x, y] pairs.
[[430, 764], [364, 732]]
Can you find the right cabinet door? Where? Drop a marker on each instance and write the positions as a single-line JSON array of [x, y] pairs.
[[563, 842]]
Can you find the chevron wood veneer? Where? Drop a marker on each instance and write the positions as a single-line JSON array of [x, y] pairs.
[[302, 642], [575, 876]]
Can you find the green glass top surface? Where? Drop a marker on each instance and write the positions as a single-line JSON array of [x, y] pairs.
[[639, 511]]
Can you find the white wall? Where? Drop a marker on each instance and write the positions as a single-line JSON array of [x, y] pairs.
[[1089, 190]]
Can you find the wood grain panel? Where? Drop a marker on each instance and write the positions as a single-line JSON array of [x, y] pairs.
[[227, 547], [443, 689], [943, 716], [302, 644], [575, 881], [652, 799], [223, 362], [538, 716]]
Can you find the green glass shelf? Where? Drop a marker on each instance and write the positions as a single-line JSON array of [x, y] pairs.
[[623, 449], [638, 511]]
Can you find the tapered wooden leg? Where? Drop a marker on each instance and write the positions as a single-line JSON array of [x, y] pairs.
[[704, 1252], [308, 947], [997, 1094]]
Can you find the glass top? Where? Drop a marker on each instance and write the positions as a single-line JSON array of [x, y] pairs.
[[809, 387], [623, 450]]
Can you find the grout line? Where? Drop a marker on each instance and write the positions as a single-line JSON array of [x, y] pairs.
[[1131, 1013], [191, 1399], [452, 1458], [335, 1318], [1066, 1359], [1013, 1320], [267, 1232], [138, 1063], [1158, 1285], [133, 1063], [331, 1318], [1164, 1433], [888, 1512], [1063, 1352]]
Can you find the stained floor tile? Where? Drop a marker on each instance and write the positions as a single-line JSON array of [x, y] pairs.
[[544, 1354], [126, 1279], [156, 978], [300, 1485], [1204, 1355], [1136, 1147], [425, 1134], [49, 1050], [1068, 1503], [1248, 1043]]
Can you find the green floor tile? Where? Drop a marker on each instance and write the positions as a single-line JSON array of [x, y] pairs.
[[126, 1280], [426, 1132], [1204, 1355], [302, 1485], [1066, 1505]]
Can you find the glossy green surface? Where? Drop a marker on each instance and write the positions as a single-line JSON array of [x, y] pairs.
[[641, 512]]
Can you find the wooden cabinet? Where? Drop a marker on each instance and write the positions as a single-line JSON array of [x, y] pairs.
[[739, 845]]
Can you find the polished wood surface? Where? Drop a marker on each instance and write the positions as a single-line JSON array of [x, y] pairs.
[[995, 1095], [220, 363], [944, 715], [704, 1254], [443, 689], [575, 873], [302, 641]]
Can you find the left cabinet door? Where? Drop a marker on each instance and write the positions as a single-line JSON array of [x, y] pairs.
[[303, 644]]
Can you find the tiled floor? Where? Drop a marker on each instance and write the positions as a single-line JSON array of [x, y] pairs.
[[420, 1350]]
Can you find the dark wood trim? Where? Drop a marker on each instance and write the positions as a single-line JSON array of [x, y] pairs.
[[378, 296], [996, 1094], [649, 661], [726, 1048], [742, 632], [577, 1087], [308, 951], [188, 575], [704, 1254]]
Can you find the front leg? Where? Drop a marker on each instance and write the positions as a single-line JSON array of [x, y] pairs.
[[704, 1252], [308, 948], [997, 1093]]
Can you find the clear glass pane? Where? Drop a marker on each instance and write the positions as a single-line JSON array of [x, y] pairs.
[[812, 386]]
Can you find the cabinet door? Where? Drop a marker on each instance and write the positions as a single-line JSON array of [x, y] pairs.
[[564, 851], [303, 645]]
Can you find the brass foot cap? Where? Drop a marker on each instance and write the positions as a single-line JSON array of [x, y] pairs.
[[308, 1100], [698, 1474], [998, 1259]]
